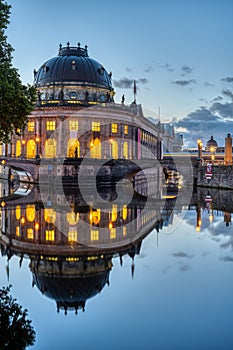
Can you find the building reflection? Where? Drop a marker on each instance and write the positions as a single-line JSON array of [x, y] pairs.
[[70, 242]]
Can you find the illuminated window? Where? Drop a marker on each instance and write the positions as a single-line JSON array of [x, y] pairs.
[[124, 229], [17, 212], [30, 233], [124, 212], [30, 213], [114, 149], [50, 148], [50, 125], [72, 235], [31, 126], [73, 148], [18, 148], [0, 149], [95, 148], [126, 129], [49, 235], [49, 215], [73, 124], [72, 218], [114, 212], [31, 149], [114, 128], [113, 233], [17, 231], [94, 235], [95, 126], [125, 150], [95, 217]]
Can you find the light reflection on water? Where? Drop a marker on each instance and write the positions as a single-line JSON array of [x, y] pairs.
[[169, 272]]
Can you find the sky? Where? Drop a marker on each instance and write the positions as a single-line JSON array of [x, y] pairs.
[[179, 52]]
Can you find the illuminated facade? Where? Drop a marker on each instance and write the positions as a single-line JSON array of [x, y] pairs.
[[75, 117]]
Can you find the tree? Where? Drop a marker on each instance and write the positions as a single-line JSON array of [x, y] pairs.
[[16, 99], [16, 332]]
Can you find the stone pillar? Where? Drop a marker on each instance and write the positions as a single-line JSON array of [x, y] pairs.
[[228, 150]]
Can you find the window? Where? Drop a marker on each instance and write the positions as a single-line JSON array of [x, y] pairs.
[[30, 212], [49, 235], [49, 215], [72, 235], [114, 128], [31, 126], [94, 235], [72, 218], [17, 231], [17, 212], [73, 125], [95, 126], [114, 212], [126, 129], [124, 212], [50, 125], [50, 148], [30, 233], [18, 148], [112, 233]]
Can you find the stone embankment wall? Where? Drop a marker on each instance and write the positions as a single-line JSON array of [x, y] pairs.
[[222, 177]]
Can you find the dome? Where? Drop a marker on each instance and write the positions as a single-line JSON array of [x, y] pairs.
[[73, 76], [211, 144]]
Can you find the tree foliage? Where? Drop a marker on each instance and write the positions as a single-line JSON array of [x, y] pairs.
[[16, 99], [16, 332]]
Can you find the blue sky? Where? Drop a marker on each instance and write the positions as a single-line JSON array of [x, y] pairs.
[[180, 53]]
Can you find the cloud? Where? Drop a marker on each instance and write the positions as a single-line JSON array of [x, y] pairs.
[[186, 69], [128, 70], [227, 258], [225, 110], [148, 69], [184, 267], [228, 93], [216, 99], [143, 81], [182, 255], [167, 66], [184, 82], [228, 79], [126, 83], [123, 83], [207, 84], [205, 122]]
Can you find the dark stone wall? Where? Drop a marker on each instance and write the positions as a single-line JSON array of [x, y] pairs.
[[222, 176]]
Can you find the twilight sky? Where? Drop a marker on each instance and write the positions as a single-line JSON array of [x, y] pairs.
[[180, 52]]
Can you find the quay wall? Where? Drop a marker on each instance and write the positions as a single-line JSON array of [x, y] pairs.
[[222, 176]]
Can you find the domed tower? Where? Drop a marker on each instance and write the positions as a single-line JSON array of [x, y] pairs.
[[72, 78], [211, 145]]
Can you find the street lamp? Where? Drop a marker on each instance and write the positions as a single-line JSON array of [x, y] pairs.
[[23, 144], [199, 147], [37, 147], [111, 143]]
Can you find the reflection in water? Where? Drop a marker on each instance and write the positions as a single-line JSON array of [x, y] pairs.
[[71, 242]]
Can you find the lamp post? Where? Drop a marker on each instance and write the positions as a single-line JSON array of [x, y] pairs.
[[23, 144], [111, 142], [37, 147], [199, 147]]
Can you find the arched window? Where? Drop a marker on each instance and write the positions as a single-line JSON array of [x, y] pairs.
[[125, 150], [50, 148], [31, 149], [114, 152], [18, 149], [49, 215], [30, 213], [73, 148], [95, 147], [72, 218], [17, 212]]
